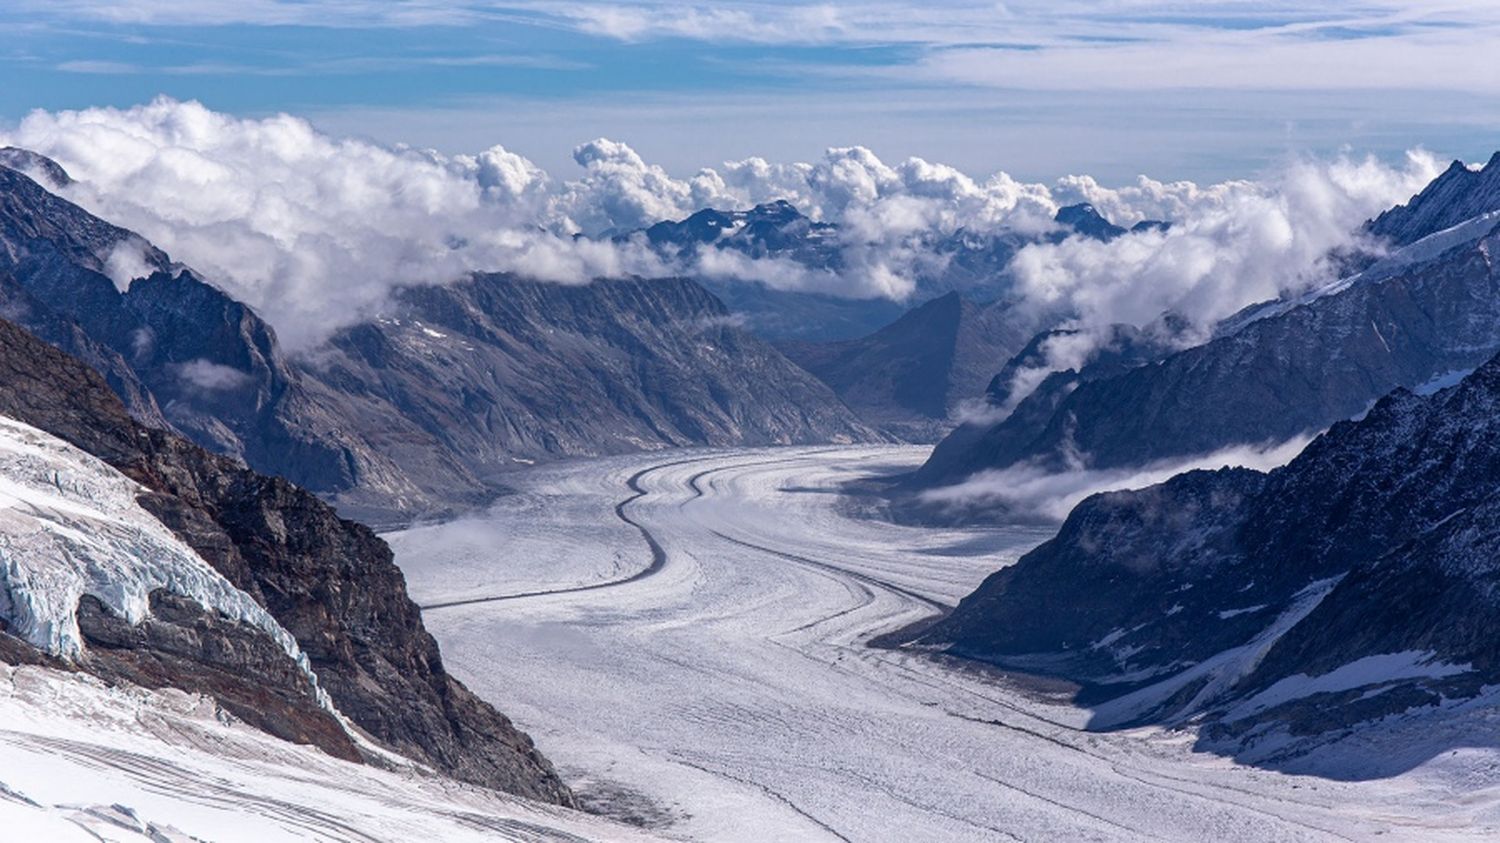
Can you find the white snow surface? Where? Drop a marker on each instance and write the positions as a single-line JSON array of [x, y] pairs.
[[729, 695], [70, 525], [80, 761]]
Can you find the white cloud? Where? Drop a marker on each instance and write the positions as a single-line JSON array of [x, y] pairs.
[[315, 231], [1028, 491], [209, 376], [1231, 245], [312, 231]]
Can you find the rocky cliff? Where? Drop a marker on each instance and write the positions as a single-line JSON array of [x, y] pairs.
[[1358, 581], [330, 583]]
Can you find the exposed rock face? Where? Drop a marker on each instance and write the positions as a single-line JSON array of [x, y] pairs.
[[1086, 220], [910, 377], [181, 645], [40, 167], [1457, 195], [179, 351], [374, 421], [329, 582], [1359, 580], [496, 368], [1289, 373]]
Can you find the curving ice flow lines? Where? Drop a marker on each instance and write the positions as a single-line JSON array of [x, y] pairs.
[[658, 554]]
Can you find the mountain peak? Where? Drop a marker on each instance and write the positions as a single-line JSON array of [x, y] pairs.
[[35, 164], [1459, 194], [1085, 219]]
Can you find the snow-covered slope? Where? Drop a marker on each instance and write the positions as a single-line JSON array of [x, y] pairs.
[[80, 761], [70, 525]]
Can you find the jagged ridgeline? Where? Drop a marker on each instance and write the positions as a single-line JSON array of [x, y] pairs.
[[1356, 582], [1417, 317]]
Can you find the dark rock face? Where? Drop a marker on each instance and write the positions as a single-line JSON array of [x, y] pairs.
[[330, 582], [1457, 195], [1376, 547], [180, 645], [1290, 373], [497, 368], [179, 351], [910, 377], [1086, 220]]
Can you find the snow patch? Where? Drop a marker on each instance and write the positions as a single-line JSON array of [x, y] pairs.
[[1229, 613], [1219, 672], [1370, 670]]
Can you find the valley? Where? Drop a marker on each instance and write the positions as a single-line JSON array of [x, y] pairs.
[[685, 635]]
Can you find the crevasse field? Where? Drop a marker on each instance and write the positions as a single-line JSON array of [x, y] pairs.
[[684, 634]]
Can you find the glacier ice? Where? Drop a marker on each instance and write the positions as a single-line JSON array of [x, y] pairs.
[[70, 525]]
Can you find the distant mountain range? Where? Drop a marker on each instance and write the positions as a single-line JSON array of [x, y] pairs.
[[973, 263]]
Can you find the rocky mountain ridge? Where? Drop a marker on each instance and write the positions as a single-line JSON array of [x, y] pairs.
[[1276, 610], [1418, 319]]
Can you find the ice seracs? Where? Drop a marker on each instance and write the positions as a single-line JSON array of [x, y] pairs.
[[70, 526]]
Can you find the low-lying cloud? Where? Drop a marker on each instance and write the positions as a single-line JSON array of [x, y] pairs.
[[1230, 245], [316, 231], [1032, 492]]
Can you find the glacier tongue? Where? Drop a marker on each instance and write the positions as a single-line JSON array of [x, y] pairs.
[[70, 525]]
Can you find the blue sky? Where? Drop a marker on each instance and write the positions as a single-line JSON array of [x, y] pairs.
[[1203, 90]]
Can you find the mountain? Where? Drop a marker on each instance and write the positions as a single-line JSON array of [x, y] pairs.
[[1417, 319], [497, 369], [1279, 610], [1459, 194], [775, 230], [209, 577], [412, 413], [1085, 219], [180, 352], [910, 377]]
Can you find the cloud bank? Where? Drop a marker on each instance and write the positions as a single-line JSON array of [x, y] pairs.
[[316, 231], [1231, 245], [1030, 492]]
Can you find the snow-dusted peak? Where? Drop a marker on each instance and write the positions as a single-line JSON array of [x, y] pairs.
[[70, 525]]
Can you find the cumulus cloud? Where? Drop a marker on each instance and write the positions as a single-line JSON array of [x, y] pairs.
[[312, 231], [316, 231], [1028, 491]]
